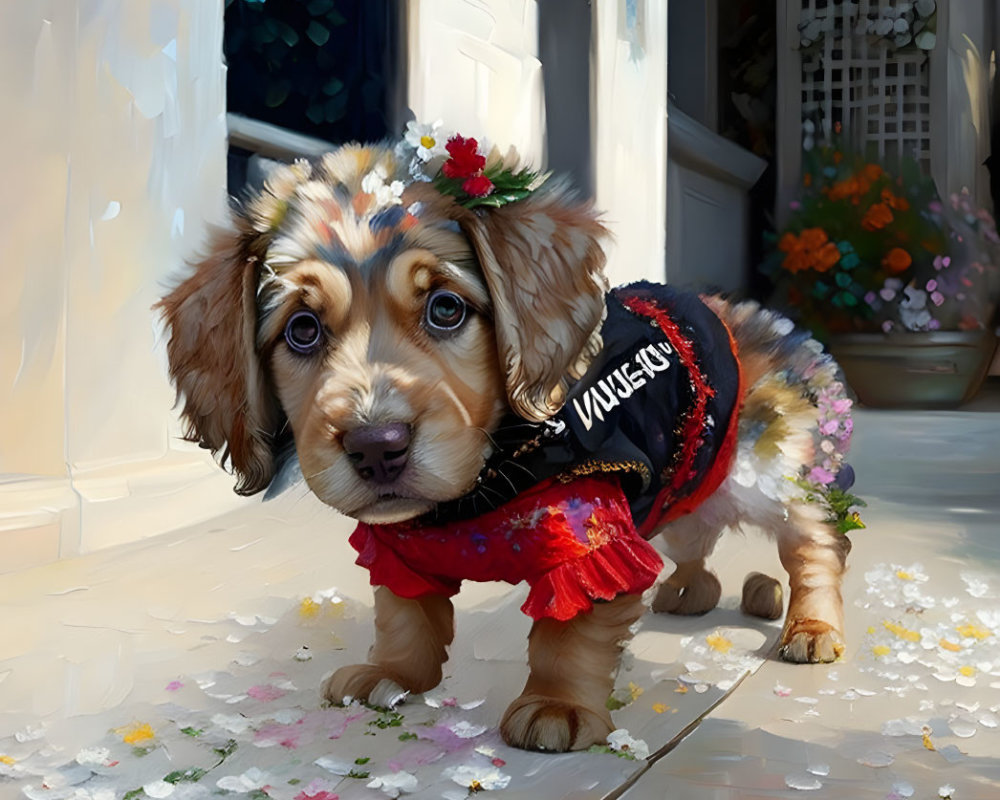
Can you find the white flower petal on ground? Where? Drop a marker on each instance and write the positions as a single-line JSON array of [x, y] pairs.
[[333, 765], [231, 723], [476, 778], [250, 781], [803, 782], [394, 783], [464, 729], [158, 789], [621, 741], [93, 755]]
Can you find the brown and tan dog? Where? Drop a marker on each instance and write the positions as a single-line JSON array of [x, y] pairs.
[[389, 329]]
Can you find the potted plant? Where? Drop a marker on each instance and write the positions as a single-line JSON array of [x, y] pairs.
[[899, 284]]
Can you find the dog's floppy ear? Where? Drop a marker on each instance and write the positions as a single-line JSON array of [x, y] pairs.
[[212, 317], [543, 263]]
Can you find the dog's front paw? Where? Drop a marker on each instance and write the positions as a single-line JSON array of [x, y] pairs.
[[365, 682], [537, 722], [810, 641]]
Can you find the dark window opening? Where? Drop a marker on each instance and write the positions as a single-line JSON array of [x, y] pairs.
[[323, 68]]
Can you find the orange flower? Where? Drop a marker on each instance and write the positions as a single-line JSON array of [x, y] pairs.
[[844, 189], [826, 257], [893, 201], [877, 217], [788, 242], [813, 238], [897, 260], [872, 172], [796, 261], [811, 249]]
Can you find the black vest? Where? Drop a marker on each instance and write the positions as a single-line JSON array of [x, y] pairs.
[[628, 415]]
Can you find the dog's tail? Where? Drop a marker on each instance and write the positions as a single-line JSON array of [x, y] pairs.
[[795, 422]]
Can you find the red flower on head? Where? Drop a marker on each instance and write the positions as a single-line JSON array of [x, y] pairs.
[[465, 162], [477, 186]]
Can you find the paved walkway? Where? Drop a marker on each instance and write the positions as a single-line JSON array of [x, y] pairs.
[[189, 663]]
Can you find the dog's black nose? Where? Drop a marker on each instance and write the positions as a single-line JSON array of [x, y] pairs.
[[378, 452]]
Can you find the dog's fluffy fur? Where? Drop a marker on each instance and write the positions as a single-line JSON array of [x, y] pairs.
[[531, 274]]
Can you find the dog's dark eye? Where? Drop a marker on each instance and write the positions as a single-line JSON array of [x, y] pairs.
[[303, 332], [445, 312]]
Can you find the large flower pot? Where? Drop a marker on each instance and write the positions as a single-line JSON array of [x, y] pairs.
[[933, 369]]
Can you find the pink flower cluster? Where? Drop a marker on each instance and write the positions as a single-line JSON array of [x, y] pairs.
[[835, 429]]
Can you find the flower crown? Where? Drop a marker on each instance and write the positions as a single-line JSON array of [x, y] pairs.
[[474, 174]]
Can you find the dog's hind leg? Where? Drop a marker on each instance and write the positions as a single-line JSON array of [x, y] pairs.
[[691, 588], [411, 644], [573, 665], [814, 554]]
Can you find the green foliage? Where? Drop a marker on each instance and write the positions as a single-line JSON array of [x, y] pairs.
[[387, 718], [841, 505], [189, 775], [508, 187]]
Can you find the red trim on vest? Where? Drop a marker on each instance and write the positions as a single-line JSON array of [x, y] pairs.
[[667, 501]]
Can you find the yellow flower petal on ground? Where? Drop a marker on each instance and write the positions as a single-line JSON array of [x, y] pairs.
[[871, 629], [903, 575], [635, 690], [681, 689], [968, 672], [950, 645], [973, 631], [308, 608], [927, 742], [659, 708], [6, 760], [901, 632], [881, 650], [136, 733], [719, 643]]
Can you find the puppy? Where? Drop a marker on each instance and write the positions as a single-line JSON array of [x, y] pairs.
[[447, 365]]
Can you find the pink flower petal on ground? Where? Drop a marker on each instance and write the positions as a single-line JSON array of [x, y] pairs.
[[266, 692], [173, 686]]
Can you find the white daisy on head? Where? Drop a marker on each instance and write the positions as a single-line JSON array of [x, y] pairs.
[[427, 139], [375, 183]]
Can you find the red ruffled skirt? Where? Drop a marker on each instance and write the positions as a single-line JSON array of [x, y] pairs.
[[573, 543]]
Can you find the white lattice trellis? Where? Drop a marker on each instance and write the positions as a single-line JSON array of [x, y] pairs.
[[854, 75]]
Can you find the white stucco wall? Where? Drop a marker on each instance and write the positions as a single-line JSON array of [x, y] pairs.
[[474, 64], [629, 120], [114, 149]]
